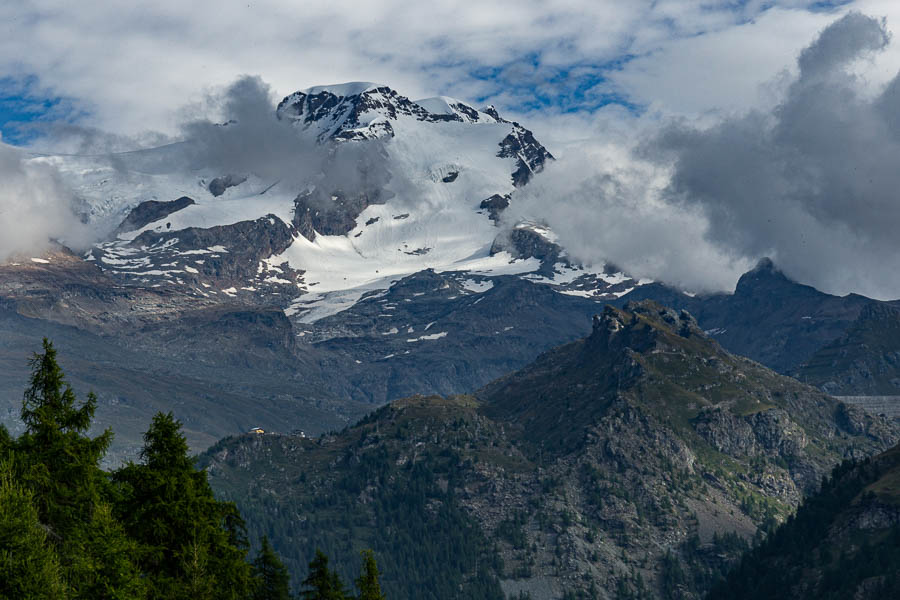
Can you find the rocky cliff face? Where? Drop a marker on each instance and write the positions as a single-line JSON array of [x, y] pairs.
[[843, 542], [608, 466]]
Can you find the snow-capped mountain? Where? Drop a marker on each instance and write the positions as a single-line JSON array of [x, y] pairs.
[[365, 255], [407, 186]]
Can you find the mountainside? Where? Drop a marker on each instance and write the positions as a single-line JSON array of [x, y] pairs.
[[233, 277], [396, 186], [635, 460], [843, 543], [865, 360], [446, 333], [374, 263], [220, 368]]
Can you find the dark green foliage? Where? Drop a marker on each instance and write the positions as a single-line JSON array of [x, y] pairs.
[[100, 563], [803, 559], [367, 582], [427, 546], [57, 459], [434, 548], [154, 530], [512, 530], [674, 580], [193, 546], [59, 464], [29, 567], [322, 583], [271, 579]]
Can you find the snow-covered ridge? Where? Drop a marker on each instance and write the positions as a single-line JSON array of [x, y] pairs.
[[440, 160], [362, 110]]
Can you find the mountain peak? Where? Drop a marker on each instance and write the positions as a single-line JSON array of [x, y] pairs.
[[639, 325], [361, 110], [764, 275], [765, 264]]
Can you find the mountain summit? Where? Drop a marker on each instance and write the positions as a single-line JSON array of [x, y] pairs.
[[393, 187]]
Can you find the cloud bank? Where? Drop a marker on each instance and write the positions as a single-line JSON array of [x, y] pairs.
[[525, 56], [814, 183], [809, 177]]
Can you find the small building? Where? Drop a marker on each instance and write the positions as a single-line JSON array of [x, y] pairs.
[[257, 430]]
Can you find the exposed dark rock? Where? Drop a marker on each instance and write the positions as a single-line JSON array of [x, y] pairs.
[[150, 211], [467, 110], [339, 117], [525, 242], [587, 461], [222, 257], [218, 185], [530, 155], [769, 318], [342, 113], [495, 205], [491, 110], [865, 360], [333, 214], [450, 177], [487, 334], [842, 543]]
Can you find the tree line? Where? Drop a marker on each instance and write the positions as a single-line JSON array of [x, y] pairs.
[[151, 530]]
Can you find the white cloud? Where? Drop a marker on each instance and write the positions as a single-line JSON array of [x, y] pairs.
[[34, 206], [607, 206]]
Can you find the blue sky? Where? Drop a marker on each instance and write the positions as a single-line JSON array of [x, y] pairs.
[[23, 106]]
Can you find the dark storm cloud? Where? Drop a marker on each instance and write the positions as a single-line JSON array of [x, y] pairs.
[[814, 183]]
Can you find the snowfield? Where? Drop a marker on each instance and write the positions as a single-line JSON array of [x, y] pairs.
[[443, 159]]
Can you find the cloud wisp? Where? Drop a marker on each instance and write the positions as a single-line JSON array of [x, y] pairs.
[[35, 206]]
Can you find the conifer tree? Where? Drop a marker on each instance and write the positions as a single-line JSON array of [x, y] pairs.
[[60, 462], [193, 546], [271, 579], [100, 561], [367, 582], [322, 583]]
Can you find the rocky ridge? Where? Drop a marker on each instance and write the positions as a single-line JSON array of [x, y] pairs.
[[591, 470]]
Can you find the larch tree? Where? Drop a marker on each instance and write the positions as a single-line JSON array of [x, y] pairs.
[[322, 583], [271, 579], [367, 582], [193, 546]]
